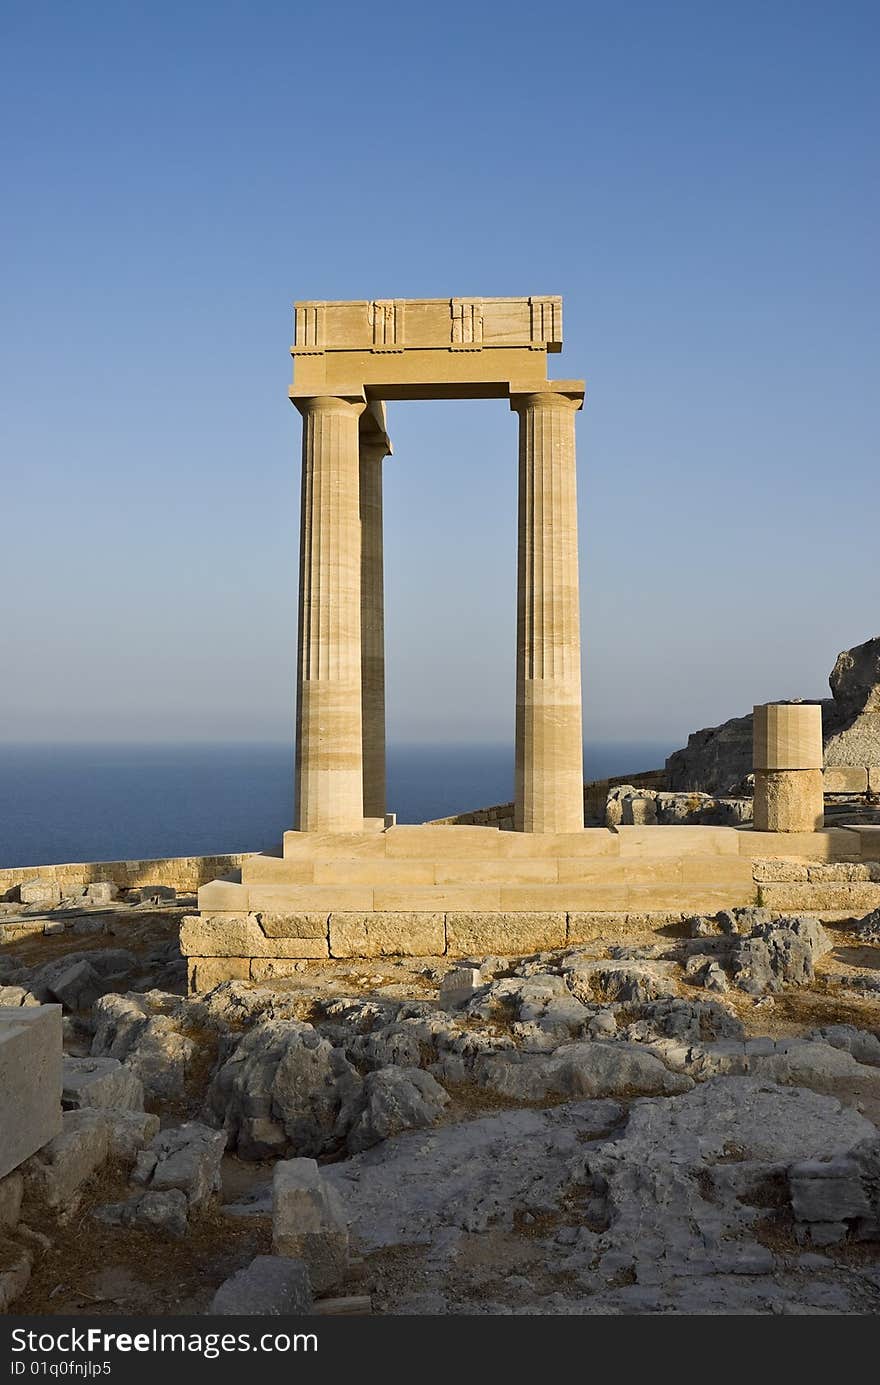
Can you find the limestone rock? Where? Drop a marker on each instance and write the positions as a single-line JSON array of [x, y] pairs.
[[270, 1286], [777, 954], [719, 758], [143, 1031], [55, 1176], [284, 1089], [396, 1099], [186, 1158], [15, 1271], [40, 890], [309, 1221], [102, 1082], [593, 1069]]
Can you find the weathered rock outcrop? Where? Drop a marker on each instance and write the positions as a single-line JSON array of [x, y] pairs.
[[718, 759]]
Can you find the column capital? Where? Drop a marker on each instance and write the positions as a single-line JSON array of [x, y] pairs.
[[556, 394], [349, 404]]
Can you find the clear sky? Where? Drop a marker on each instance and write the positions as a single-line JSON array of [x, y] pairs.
[[699, 182]]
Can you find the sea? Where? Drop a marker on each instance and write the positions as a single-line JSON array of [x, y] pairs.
[[125, 802]]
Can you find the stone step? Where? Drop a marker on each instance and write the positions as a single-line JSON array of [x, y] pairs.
[[636, 869], [623, 893]]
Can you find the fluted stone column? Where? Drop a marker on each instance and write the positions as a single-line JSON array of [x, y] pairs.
[[549, 792], [329, 756], [787, 760], [372, 454]]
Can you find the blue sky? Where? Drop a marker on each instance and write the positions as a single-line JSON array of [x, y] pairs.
[[698, 181]]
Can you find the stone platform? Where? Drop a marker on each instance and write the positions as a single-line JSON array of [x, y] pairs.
[[430, 891]]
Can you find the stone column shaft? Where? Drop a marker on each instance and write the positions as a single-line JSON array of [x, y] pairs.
[[372, 627], [787, 760], [329, 756], [549, 792]]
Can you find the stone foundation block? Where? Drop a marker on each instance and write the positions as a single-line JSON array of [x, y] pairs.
[[204, 973], [240, 935], [504, 933], [414, 934], [273, 968], [854, 899], [294, 925], [30, 1081]]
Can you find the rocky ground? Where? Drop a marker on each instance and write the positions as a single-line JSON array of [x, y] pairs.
[[673, 1121]]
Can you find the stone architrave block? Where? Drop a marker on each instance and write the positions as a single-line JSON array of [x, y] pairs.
[[40, 890], [413, 934], [30, 1081]]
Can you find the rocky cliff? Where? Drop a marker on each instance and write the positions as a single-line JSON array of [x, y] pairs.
[[717, 759]]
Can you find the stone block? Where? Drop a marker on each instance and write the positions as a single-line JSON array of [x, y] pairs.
[[439, 843], [592, 841], [831, 844], [274, 968], [511, 933], [656, 870], [204, 973], [277, 870], [101, 891], [506, 871], [788, 871], [458, 987], [716, 871], [788, 800], [308, 1221], [548, 898], [40, 890], [379, 871], [223, 896], [590, 870], [101, 1082], [693, 898], [434, 898], [787, 736], [307, 899], [30, 1081], [187, 1158], [128, 1132], [855, 899], [835, 872], [323, 846], [270, 1286], [294, 925], [845, 779], [592, 925], [55, 1176], [874, 778], [240, 935], [677, 840], [417, 934]]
